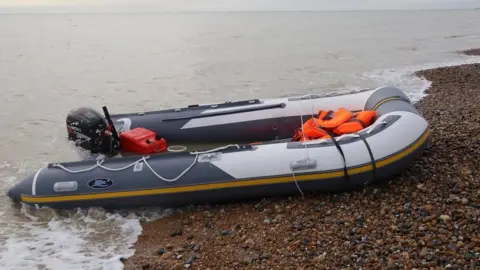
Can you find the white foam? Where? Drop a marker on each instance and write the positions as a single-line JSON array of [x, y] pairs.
[[74, 239], [404, 78], [85, 239]]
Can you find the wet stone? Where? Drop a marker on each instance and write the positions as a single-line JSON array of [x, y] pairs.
[[208, 224], [176, 232], [190, 260], [423, 252], [452, 246], [247, 260], [445, 218], [265, 256], [226, 232], [207, 214], [279, 209]]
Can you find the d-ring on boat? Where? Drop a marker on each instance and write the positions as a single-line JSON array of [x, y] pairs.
[[295, 144]]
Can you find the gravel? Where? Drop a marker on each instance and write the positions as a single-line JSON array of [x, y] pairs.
[[426, 218]]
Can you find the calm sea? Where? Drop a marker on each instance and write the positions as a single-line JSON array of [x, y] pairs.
[[50, 64]]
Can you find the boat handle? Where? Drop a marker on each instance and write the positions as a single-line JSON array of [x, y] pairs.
[[303, 164]]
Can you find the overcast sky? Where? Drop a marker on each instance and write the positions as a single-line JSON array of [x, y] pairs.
[[168, 5]]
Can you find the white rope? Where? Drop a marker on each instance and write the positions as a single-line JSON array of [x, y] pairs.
[[98, 164], [79, 171], [301, 124], [304, 140], [197, 153], [119, 169], [144, 159], [172, 179], [298, 186]]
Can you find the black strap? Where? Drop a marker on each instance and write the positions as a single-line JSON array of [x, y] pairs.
[[361, 122], [345, 171], [374, 164]]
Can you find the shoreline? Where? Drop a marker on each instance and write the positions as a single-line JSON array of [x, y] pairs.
[[426, 217]]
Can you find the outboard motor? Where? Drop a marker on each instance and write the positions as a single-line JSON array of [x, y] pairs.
[[91, 131]]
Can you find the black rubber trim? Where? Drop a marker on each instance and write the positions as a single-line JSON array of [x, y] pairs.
[[374, 163], [345, 170], [274, 106]]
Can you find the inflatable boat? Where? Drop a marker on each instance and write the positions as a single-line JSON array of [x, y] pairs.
[[269, 152]]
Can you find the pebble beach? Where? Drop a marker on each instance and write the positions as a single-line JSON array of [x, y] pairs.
[[428, 217]]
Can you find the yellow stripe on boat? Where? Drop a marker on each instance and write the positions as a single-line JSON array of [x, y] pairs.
[[385, 101], [232, 184]]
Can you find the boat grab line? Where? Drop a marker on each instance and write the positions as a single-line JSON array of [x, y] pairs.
[[144, 159]]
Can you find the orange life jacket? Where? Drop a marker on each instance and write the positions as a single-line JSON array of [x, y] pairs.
[[358, 122], [311, 131], [342, 122], [339, 117]]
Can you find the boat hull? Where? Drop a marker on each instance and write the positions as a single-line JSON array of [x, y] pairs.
[[240, 172]]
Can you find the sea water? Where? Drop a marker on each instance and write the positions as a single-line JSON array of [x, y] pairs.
[[51, 63]]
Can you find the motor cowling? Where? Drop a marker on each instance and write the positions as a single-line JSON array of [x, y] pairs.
[[90, 131]]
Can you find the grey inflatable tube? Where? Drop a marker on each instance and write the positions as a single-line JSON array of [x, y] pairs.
[[244, 171]]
